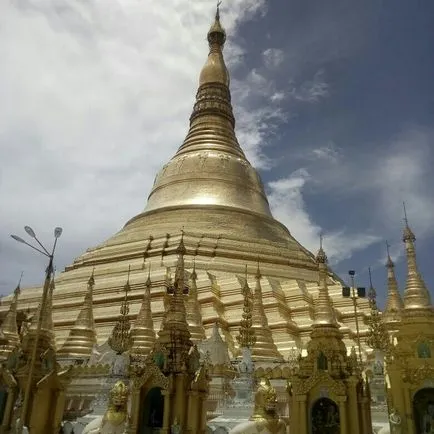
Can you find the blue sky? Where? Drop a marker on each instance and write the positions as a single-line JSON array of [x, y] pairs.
[[334, 103]]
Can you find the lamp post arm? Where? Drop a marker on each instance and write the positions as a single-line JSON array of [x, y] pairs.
[[35, 248], [42, 246], [24, 408]]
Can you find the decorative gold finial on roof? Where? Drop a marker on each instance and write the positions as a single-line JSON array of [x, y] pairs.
[[324, 313], [175, 335], [264, 346], [120, 338], [194, 315], [247, 335], [142, 333], [9, 329], [82, 336], [416, 295], [378, 338], [216, 34], [394, 305]]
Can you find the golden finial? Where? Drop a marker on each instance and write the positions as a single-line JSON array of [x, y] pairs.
[[194, 315], [389, 263], [142, 333], [82, 336], [247, 336], [378, 338], [264, 344], [394, 305], [120, 338], [416, 295], [148, 280], [9, 328], [179, 284], [324, 313], [258, 275], [321, 257], [408, 235]]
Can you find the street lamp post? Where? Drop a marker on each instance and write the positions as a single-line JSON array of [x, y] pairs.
[[48, 275]]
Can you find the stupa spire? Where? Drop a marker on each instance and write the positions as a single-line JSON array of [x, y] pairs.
[[82, 336], [324, 313], [175, 335], [9, 336], [46, 337], [416, 295], [247, 335], [264, 347], [142, 333], [377, 337], [210, 167], [120, 338], [194, 316], [394, 305]]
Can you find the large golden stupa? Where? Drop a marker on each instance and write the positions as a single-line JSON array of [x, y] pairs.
[[210, 193]]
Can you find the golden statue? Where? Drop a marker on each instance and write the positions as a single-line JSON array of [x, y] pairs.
[[265, 419], [115, 419]]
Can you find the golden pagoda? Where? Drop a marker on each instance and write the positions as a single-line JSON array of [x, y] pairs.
[[210, 190], [410, 367]]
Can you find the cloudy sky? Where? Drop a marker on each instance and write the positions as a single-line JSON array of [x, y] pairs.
[[334, 103]]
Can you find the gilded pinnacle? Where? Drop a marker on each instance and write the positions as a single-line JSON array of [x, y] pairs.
[[416, 295], [247, 335], [194, 314], [142, 333], [175, 335], [264, 347], [9, 329], [82, 336], [324, 313], [120, 338], [394, 305]]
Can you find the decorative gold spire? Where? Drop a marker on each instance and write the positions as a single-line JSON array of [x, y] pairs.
[[46, 337], [120, 338], [210, 168], [324, 313], [194, 316], [377, 338], [214, 70], [142, 333], [264, 347], [82, 336], [247, 336], [416, 295], [394, 305], [10, 338], [175, 335]]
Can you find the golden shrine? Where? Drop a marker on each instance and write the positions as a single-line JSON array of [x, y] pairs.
[[182, 272]]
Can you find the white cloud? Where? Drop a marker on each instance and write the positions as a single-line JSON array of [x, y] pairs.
[[273, 57], [329, 152], [311, 91], [289, 207], [95, 98]]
